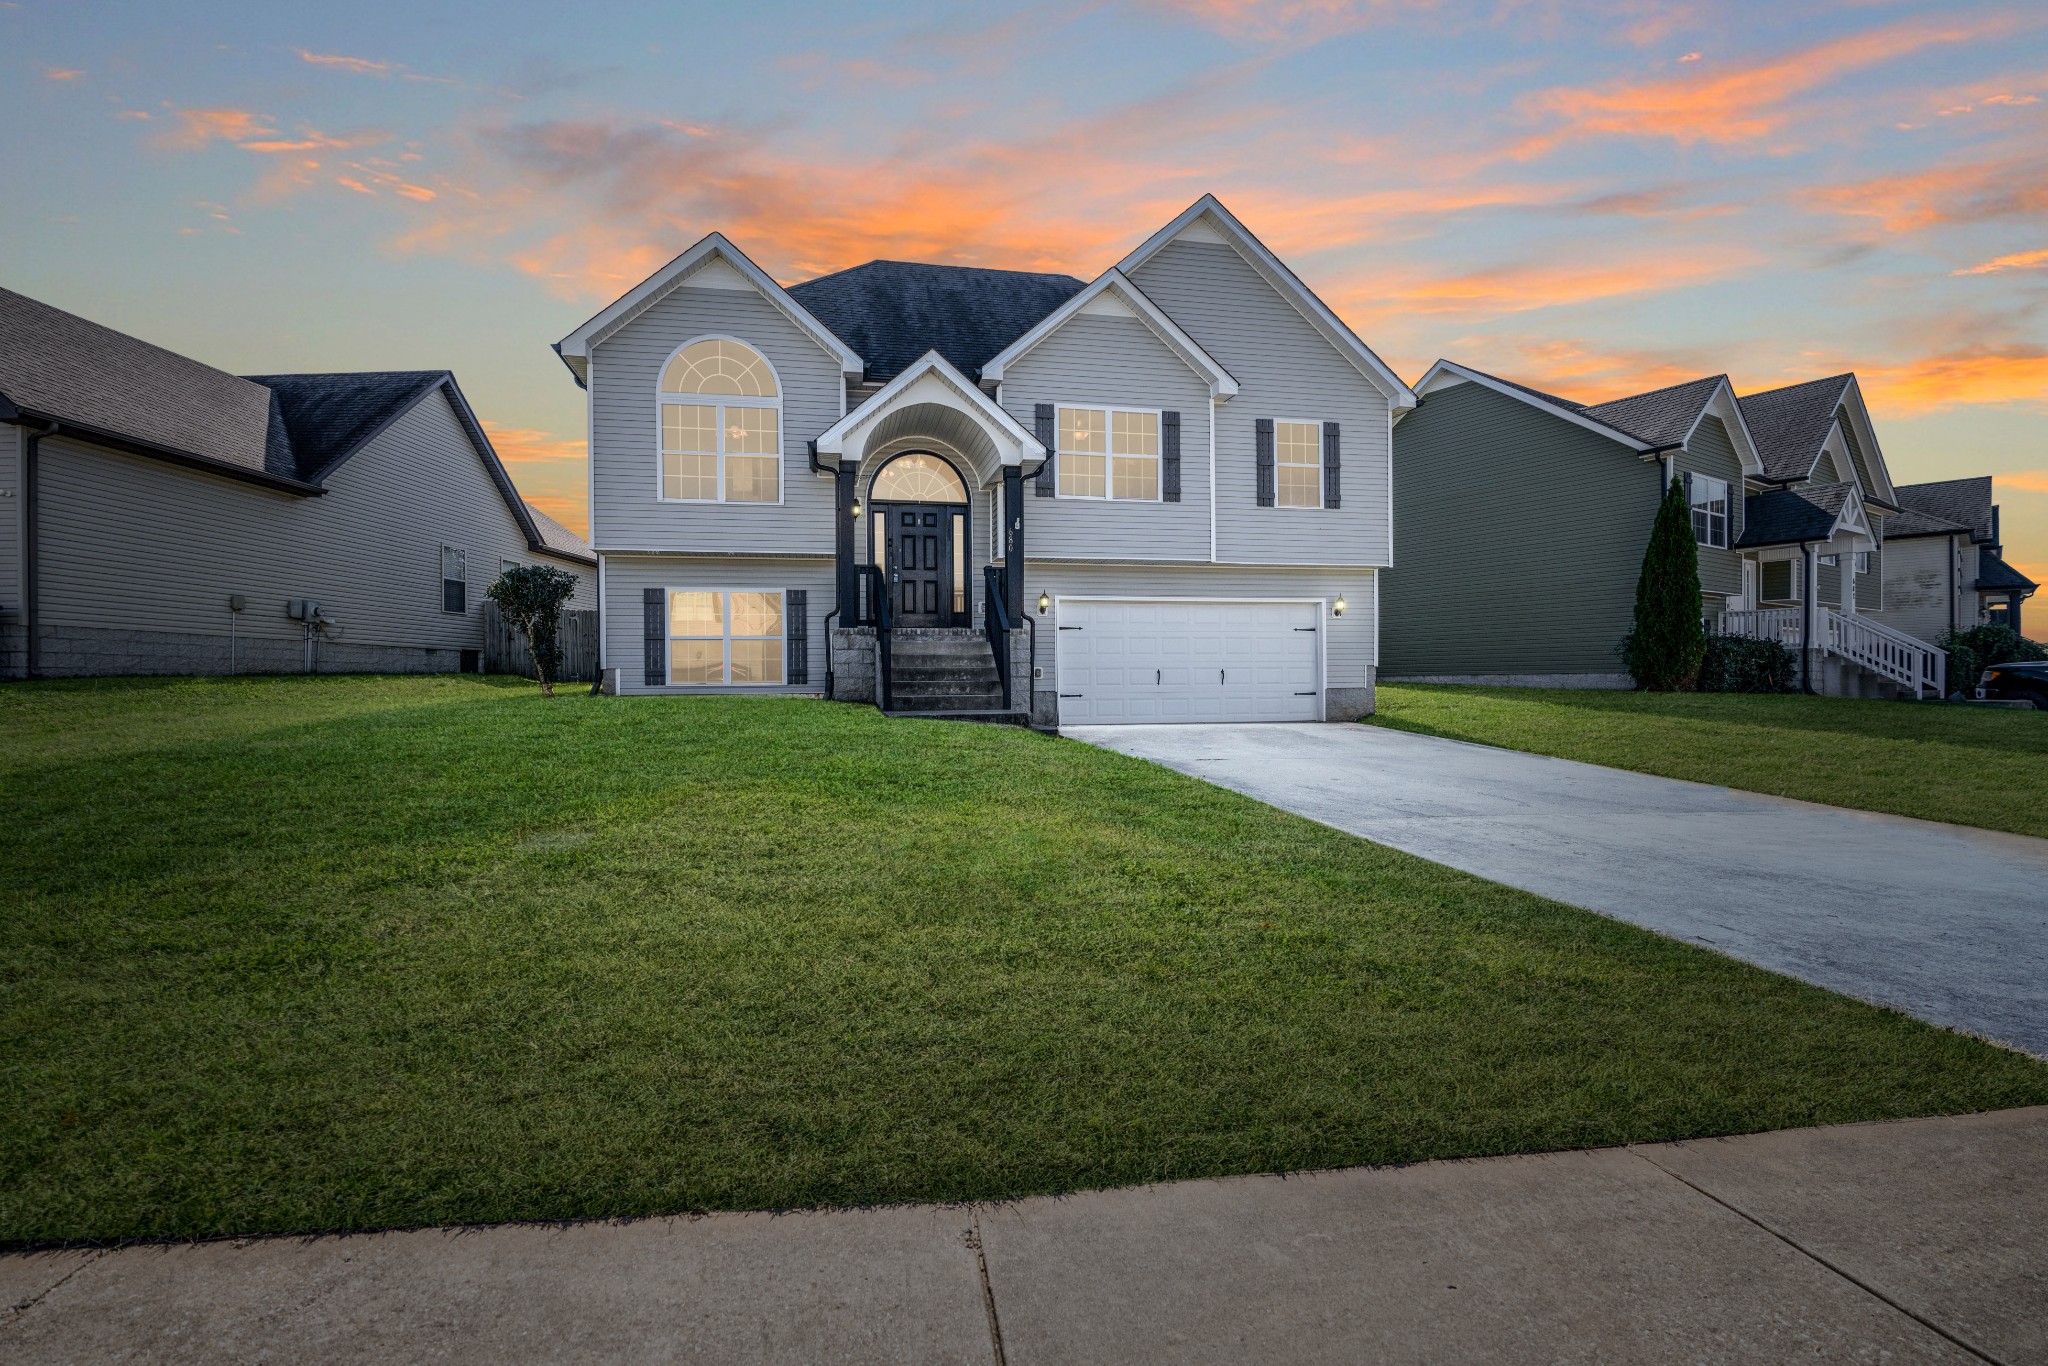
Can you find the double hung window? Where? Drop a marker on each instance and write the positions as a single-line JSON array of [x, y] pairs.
[[1709, 498], [1108, 453], [1298, 464], [721, 426], [719, 636]]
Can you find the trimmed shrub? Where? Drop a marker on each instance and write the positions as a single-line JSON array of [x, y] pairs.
[[1667, 642], [1740, 664]]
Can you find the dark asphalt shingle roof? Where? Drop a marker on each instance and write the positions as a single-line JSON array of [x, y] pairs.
[[1967, 501], [327, 416], [63, 366], [1662, 417], [1914, 523], [1995, 573], [892, 312], [1786, 516], [1790, 425]]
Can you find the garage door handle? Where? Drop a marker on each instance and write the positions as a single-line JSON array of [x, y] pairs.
[[1070, 628], [1219, 675], [1304, 628], [1305, 694], [1070, 694]]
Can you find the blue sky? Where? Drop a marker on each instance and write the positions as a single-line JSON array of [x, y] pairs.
[[1595, 197]]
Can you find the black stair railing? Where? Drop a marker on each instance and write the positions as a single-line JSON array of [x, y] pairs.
[[877, 615], [996, 623]]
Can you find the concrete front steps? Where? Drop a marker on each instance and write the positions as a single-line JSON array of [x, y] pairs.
[[946, 673]]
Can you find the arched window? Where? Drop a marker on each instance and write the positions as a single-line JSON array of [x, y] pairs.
[[918, 478], [721, 425]]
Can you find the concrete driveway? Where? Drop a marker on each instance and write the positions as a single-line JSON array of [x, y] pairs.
[[1942, 922]]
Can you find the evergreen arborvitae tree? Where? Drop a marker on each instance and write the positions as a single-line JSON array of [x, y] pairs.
[[1668, 643]]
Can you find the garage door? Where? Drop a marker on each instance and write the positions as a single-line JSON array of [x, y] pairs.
[[1149, 660]]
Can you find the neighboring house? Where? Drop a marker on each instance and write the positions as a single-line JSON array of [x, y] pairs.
[[1162, 495], [160, 516], [1524, 517], [1944, 569]]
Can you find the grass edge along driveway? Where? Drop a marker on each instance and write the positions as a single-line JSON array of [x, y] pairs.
[[1981, 766], [335, 953]]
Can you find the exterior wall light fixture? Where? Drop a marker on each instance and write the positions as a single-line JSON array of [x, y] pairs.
[[1338, 605], [1044, 604], [856, 509]]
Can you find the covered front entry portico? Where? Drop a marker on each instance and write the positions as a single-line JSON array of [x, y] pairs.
[[929, 594]]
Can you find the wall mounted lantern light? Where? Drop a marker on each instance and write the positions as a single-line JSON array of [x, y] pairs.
[[856, 509], [1044, 604], [1338, 605]]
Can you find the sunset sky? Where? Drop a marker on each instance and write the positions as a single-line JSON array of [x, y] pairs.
[[1594, 197]]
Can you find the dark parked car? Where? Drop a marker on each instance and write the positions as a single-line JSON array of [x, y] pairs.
[[2016, 682]]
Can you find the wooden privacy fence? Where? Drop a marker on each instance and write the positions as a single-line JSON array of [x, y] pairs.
[[505, 649]]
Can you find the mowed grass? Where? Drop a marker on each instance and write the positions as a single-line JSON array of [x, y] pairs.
[[1981, 766], [303, 954]]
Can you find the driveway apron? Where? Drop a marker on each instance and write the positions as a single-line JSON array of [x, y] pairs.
[[1943, 922]]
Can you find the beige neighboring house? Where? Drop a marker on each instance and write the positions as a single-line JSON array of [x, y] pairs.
[[159, 516], [1944, 567]]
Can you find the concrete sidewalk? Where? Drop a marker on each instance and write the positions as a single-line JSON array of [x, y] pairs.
[[1917, 1241], [1942, 922]]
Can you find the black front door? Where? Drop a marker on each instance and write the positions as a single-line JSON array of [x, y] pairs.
[[920, 563]]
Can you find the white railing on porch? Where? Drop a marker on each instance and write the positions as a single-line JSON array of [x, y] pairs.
[[1907, 661], [1772, 623]]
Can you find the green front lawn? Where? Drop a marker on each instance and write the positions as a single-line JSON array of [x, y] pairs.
[[1981, 766], [293, 954]]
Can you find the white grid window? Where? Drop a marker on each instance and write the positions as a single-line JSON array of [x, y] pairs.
[[721, 426], [1109, 453], [1298, 464], [454, 580], [718, 636], [1709, 499]]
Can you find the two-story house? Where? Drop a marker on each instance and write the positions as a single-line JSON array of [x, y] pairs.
[[1524, 518], [1162, 495], [1944, 567]]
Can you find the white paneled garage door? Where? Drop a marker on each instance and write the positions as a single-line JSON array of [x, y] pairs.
[[1160, 659]]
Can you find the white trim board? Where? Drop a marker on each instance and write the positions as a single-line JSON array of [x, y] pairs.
[[575, 348], [1013, 444], [1208, 216], [1113, 284]]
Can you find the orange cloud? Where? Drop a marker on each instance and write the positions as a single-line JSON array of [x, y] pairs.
[[1268, 20], [548, 469], [531, 446], [2009, 374], [570, 511], [1577, 369], [2027, 481], [2019, 260], [62, 73], [1746, 104], [1532, 285], [360, 66], [1969, 193], [198, 127]]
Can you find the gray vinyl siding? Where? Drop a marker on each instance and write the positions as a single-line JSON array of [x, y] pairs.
[[625, 370], [626, 577], [1348, 647], [1855, 449], [1285, 368], [1710, 452], [12, 658], [1824, 471], [134, 544], [1116, 362], [1828, 579], [1522, 536], [1870, 586]]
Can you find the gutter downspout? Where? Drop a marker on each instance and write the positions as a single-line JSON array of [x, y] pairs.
[[1810, 595], [31, 548]]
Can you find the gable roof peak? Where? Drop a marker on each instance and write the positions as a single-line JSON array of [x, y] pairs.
[[1222, 384]]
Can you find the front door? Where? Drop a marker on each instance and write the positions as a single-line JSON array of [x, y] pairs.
[[920, 563]]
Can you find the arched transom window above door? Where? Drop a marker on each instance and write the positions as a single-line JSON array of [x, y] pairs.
[[918, 478], [721, 425]]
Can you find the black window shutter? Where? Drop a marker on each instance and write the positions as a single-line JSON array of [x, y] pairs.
[[1048, 437], [1333, 468], [1262, 443], [796, 629], [655, 621], [1169, 457]]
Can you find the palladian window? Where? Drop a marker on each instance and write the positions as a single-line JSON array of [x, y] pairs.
[[721, 425]]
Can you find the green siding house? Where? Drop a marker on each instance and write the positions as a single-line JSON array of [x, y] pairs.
[[1523, 518]]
